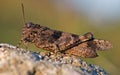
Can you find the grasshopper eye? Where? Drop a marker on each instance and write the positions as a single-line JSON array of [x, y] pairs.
[[30, 24]]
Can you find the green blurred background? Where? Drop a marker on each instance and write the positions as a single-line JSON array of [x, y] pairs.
[[72, 16]]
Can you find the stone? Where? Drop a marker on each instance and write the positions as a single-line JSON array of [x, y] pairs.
[[18, 61]]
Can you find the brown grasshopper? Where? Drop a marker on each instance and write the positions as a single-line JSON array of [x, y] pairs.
[[59, 41]]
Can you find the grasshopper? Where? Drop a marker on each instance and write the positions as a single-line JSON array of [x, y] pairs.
[[58, 41]]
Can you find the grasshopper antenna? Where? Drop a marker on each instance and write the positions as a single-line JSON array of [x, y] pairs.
[[23, 12], [24, 20]]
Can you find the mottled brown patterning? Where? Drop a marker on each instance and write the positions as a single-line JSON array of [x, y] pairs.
[[88, 48], [58, 41]]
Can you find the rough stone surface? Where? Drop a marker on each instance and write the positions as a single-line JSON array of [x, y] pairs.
[[18, 61]]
